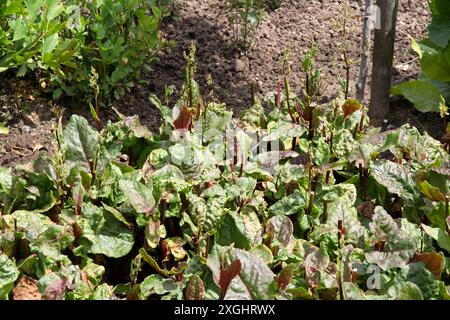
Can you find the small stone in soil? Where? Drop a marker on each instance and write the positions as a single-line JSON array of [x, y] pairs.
[[239, 65]]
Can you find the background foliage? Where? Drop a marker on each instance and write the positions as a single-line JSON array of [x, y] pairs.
[[432, 90], [62, 41]]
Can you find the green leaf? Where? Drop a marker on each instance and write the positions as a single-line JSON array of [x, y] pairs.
[[45, 237], [241, 230], [293, 203], [102, 292], [120, 73], [8, 275], [439, 31], [33, 7], [321, 152], [156, 11], [158, 158], [242, 188], [391, 259], [409, 291], [255, 280], [398, 247], [425, 96], [49, 45], [80, 140], [217, 118], [152, 262], [154, 231], [116, 213], [436, 65], [397, 178], [155, 284], [139, 196], [352, 292], [441, 236], [55, 8], [280, 228], [20, 29], [105, 233], [417, 274]]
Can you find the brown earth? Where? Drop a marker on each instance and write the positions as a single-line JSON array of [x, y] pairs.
[[26, 289], [295, 25]]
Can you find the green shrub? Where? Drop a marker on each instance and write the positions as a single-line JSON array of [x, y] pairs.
[[62, 40], [244, 17]]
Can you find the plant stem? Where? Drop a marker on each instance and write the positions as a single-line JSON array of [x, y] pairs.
[[339, 260], [347, 74], [286, 85], [325, 212]]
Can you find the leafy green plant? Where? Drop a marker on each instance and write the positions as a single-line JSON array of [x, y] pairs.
[[431, 91], [61, 41], [244, 17], [213, 207]]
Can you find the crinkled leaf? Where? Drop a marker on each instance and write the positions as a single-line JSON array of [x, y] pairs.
[[293, 203], [317, 259], [195, 289], [420, 276], [139, 195], [133, 123], [242, 188], [397, 247], [285, 130], [116, 213], [383, 225], [106, 236], [409, 291], [155, 284], [80, 140], [392, 259], [8, 275], [280, 228], [253, 282], [102, 292], [45, 237], [352, 292], [398, 179]]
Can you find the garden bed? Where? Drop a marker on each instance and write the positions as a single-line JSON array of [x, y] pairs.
[[296, 24]]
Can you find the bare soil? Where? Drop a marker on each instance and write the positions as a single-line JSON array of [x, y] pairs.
[[295, 25]]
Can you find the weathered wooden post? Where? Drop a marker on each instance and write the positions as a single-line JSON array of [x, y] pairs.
[[366, 46], [383, 56]]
